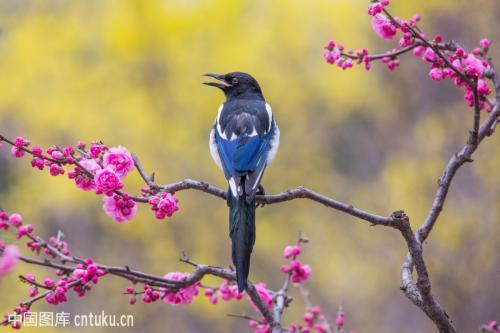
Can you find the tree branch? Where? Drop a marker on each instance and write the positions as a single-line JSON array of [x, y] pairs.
[[420, 294], [134, 276]]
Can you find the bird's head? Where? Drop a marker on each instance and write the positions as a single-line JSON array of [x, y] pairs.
[[236, 84]]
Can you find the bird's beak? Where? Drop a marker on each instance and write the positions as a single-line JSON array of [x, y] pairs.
[[221, 85]]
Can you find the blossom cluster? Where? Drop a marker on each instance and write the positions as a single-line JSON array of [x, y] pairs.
[[184, 295], [150, 294], [9, 256], [298, 272], [15, 221], [225, 291], [492, 327], [446, 60], [83, 275], [79, 280], [164, 204], [100, 169], [313, 320]]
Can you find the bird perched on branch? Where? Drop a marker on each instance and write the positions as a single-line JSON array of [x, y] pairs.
[[243, 141]]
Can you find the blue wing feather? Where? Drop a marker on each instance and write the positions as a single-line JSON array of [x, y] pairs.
[[244, 155]]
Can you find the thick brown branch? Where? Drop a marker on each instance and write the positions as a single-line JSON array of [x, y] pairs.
[[292, 194], [420, 293]]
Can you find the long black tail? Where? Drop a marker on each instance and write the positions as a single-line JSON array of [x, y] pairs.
[[242, 233]]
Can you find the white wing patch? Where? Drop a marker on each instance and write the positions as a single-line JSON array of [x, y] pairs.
[[274, 143], [222, 135], [254, 132], [213, 149], [270, 115], [232, 184], [258, 179]]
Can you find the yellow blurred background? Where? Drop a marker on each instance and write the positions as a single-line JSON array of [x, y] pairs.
[[128, 72]]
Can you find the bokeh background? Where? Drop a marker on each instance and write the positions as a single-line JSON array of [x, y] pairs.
[[128, 72]]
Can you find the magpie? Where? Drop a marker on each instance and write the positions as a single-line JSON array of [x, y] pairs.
[[243, 141]]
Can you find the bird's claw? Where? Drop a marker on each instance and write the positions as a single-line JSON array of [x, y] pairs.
[[260, 191]]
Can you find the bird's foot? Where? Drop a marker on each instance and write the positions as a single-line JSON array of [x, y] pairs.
[[260, 191]]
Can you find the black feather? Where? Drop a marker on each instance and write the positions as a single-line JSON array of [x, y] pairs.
[[242, 116], [242, 233]]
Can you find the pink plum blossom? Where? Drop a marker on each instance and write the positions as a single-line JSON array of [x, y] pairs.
[[485, 43], [483, 88], [329, 57], [291, 251], [119, 160], [419, 51], [15, 220], [383, 27], [226, 290], [4, 218], [164, 204], [264, 294], [37, 151], [405, 41], [96, 149], [58, 295], [473, 66], [56, 170], [315, 310], [436, 74], [49, 283], [309, 319], [470, 65], [493, 326], [299, 273], [119, 208], [82, 179], [32, 291], [68, 150], [340, 320], [57, 155], [8, 259], [259, 327], [212, 295], [38, 163], [17, 152], [21, 142], [229, 291], [183, 295], [150, 295], [429, 55], [24, 230], [375, 9], [107, 181]]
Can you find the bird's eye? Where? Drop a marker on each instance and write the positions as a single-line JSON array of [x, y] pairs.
[[234, 81]]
